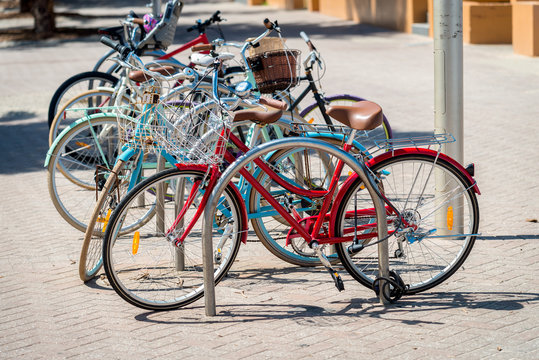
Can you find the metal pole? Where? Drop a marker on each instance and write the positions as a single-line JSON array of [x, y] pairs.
[[383, 255], [160, 199], [448, 108], [448, 103], [156, 8]]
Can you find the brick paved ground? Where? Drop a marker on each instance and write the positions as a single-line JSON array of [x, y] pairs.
[[266, 308]]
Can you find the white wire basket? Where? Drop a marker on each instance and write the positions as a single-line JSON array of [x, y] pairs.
[[193, 130]]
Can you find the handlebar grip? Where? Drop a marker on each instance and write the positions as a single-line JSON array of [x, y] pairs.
[[203, 47], [307, 40], [215, 17], [278, 104], [116, 46], [138, 21], [268, 24]]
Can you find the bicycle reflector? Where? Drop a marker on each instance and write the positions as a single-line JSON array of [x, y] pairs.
[[450, 218], [136, 240], [104, 220]]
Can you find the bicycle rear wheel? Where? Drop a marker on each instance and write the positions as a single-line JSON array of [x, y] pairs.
[[145, 267], [438, 203]]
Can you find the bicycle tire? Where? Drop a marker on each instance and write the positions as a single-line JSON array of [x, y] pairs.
[[71, 182], [74, 86], [115, 188], [81, 101], [91, 261], [418, 261], [176, 283]]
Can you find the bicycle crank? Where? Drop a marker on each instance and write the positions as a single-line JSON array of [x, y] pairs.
[[324, 260]]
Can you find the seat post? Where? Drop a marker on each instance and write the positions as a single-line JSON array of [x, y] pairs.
[[351, 137]]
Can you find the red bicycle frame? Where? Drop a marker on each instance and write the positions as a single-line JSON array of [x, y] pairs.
[[294, 223], [200, 39]]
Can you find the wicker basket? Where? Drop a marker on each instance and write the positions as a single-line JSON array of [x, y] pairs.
[[267, 44], [275, 70]]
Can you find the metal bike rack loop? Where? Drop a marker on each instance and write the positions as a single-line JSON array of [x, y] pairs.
[[227, 176]]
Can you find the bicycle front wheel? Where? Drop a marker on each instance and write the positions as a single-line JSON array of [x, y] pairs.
[[159, 266], [76, 85], [88, 146], [86, 103], [439, 207]]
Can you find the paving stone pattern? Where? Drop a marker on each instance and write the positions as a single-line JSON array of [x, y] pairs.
[[266, 308]]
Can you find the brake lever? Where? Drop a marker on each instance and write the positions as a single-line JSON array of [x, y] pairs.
[[277, 27], [319, 62]]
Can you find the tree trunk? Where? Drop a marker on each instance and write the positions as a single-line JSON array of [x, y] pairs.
[[26, 6], [44, 22]]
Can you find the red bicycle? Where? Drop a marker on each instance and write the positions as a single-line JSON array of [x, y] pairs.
[[325, 195]]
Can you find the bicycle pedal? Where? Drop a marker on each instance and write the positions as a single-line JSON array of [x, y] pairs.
[[339, 284], [324, 260]]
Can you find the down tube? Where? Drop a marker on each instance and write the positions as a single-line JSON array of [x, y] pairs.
[[227, 176]]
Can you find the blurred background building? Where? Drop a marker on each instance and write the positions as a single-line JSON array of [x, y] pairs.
[[484, 22]]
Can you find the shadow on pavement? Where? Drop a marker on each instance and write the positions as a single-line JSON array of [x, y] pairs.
[[16, 115], [24, 142], [509, 237], [357, 308]]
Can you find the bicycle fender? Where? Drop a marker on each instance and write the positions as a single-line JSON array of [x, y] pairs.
[[67, 129], [429, 152], [233, 188]]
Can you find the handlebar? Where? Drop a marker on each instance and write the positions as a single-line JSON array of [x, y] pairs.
[[272, 26], [138, 21], [216, 17], [201, 26], [122, 50], [268, 24], [203, 47], [278, 104], [314, 56]]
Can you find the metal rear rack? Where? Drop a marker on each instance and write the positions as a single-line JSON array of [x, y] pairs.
[[374, 141], [416, 141]]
